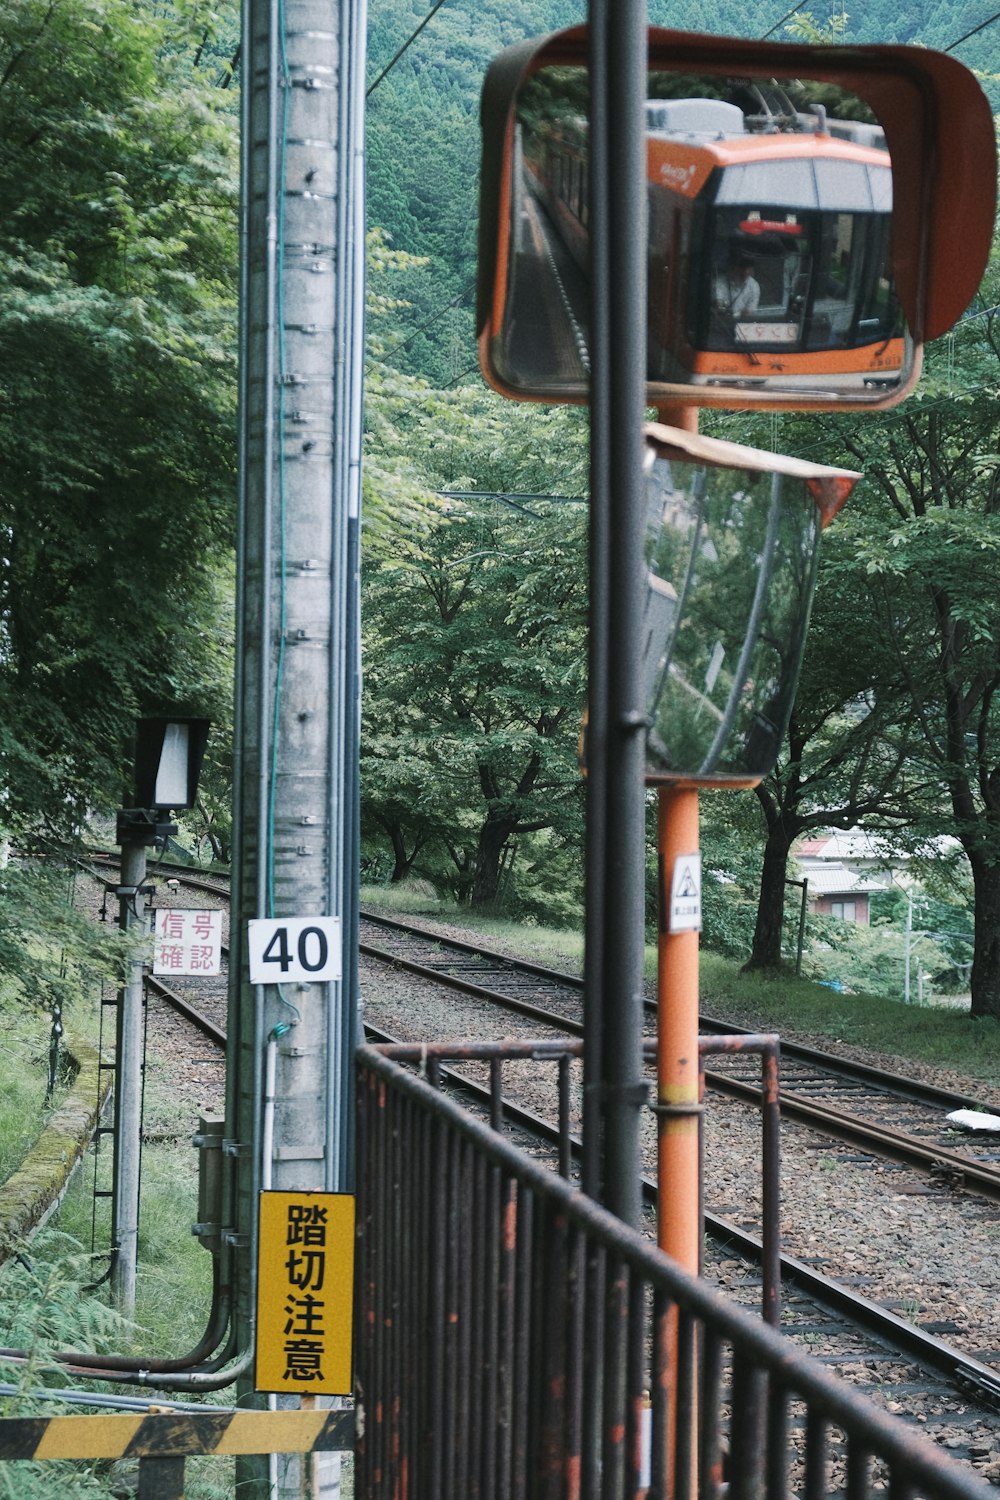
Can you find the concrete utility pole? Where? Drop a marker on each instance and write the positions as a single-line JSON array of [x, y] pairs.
[[295, 824]]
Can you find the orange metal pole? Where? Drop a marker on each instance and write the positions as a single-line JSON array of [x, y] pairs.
[[677, 1092], [684, 417], [679, 1210], [677, 1077]]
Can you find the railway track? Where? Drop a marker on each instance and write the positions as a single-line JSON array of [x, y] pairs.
[[868, 1109], [871, 1346], [196, 1003], [877, 1351], [913, 1369], [890, 1116]]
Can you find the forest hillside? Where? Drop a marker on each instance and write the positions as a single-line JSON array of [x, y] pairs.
[[423, 125]]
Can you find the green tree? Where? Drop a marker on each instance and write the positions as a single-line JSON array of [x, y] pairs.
[[474, 684], [473, 613], [929, 547], [118, 254], [845, 757]]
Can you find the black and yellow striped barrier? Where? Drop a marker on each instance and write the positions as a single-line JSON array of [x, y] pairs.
[[162, 1440]]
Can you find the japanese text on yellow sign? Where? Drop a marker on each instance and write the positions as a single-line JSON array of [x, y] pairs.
[[305, 1293]]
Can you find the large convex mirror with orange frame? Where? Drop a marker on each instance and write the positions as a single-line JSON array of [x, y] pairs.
[[773, 241]]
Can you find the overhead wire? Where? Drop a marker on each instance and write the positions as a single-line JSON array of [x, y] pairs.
[[408, 43], [950, 48], [974, 32], [513, 500], [438, 313], [786, 17]]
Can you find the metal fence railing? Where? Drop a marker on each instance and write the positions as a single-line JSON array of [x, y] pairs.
[[517, 1342]]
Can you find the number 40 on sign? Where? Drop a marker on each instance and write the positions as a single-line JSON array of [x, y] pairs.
[[286, 949]]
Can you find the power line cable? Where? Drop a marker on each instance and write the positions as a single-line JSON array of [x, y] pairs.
[[786, 17], [409, 41], [472, 370], [515, 499], [438, 313], [975, 30], [950, 48]]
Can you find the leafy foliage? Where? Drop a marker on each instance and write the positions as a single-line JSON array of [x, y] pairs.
[[42, 1312], [871, 960], [896, 723], [927, 545], [473, 610], [474, 662], [730, 873], [50, 953], [117, 390]]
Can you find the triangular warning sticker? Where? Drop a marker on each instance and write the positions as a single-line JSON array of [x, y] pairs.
[[685, 895]]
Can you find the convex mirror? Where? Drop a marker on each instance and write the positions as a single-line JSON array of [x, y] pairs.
[[795, 254], [732, 544]]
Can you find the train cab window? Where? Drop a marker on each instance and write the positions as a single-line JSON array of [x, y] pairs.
[[795, 280]]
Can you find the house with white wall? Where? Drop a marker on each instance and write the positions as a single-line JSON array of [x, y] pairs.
[[843, 869]]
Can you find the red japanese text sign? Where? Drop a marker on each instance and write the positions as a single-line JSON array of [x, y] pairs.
[[187, 942]]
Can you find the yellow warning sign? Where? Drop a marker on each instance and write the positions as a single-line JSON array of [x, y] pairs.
[[305, 1293]]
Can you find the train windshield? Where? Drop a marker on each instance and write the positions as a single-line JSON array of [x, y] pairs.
[[804, 266]]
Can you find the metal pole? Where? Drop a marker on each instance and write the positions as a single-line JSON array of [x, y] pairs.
[[678, 1079], [128, 1086], [909, 939], [678, 1105], [594, 996], [621, 117]]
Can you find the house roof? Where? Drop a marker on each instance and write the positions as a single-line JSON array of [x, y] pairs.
[[855, 846], [850, 846], [839, 880]]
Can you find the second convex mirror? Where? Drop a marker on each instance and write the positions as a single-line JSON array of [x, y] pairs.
[[772, 237]]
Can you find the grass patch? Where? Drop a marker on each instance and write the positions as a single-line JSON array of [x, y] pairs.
[[24, 1066], [557, 946], [947, 1038], [45, 1304], [940, 1036], [173, 1278], [411, 898]]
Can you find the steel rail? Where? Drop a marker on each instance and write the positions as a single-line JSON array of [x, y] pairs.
[[907, 1087], [181, 873], [970, 1375], [881, 1140], [187, 1010], [522, 965], [477, 991]]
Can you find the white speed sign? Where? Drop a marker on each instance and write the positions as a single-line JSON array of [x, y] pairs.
[[287, 949]]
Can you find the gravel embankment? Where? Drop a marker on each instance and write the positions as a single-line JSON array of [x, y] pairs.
[[928, 1253]]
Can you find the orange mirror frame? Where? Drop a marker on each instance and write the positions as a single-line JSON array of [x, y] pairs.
[[938, 130]]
